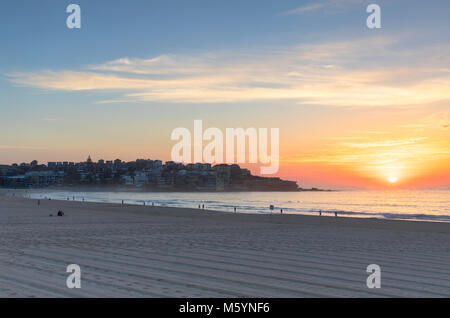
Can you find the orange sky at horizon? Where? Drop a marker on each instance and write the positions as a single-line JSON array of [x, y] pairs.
[[386, 155], [376, 160]]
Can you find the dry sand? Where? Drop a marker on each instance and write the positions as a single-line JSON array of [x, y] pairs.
[[137, 251]]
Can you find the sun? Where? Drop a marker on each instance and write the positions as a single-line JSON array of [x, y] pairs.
[[392, 179]]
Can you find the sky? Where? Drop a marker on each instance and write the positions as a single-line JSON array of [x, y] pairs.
[[356, 107]]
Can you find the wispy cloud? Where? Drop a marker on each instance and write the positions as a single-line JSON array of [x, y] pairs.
[[383, 144], [370, 132], [305, 8], [52, 119], [18, 147], [333, 73], [330, 4]]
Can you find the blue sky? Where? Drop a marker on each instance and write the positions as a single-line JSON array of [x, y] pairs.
[[35, 36], [138, 69]]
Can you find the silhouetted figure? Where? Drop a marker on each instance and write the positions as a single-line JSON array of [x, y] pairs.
[[144, 203], [281, 210], [203, 206], [335, 214], [320, 213], [153, 204], [199, 206], [234, 209], [60, 213], [122, 201], [39, 202]]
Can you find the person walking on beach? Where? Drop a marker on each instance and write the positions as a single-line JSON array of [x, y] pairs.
[[320, 213], [203, 206], [281, 210], [234, 209], [335, 214]]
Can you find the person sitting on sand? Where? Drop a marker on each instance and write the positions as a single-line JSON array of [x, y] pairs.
[[60, 213]]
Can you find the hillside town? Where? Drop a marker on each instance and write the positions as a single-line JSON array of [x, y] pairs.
[[144, 174]]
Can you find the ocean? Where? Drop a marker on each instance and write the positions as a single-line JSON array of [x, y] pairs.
[[430, 205]]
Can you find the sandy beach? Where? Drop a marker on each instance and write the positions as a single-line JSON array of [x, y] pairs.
[[138, 251]]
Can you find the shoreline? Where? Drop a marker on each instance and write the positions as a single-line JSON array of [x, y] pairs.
[[285, 218], [287, 211]]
